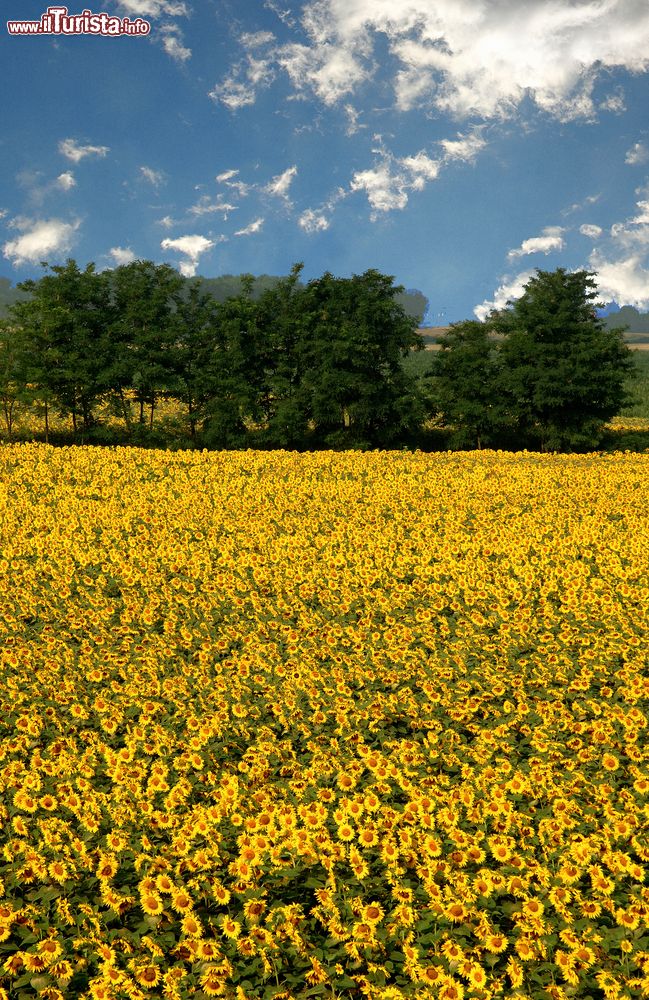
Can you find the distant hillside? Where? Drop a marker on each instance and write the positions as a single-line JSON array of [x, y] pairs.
[[628, 316], [9, 295], [413, 301]]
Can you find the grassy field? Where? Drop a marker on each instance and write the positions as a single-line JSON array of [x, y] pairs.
[[341, 725]]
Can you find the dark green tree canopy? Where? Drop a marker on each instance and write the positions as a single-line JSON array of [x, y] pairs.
[[562, 370]]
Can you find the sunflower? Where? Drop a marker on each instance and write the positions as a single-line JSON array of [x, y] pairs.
[[152, 904], [373, 913], [496, 943], [148, 976], [191, 926], [231, 928], [477, 976], [456, 913], [181, 901], [367, 836]]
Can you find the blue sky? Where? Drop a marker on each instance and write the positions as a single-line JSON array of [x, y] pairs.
[[456, 145]]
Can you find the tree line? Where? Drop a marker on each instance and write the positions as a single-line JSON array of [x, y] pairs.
[[295, 365]]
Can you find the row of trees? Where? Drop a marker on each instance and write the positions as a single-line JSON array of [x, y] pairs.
[[319, 362], [310, 365]]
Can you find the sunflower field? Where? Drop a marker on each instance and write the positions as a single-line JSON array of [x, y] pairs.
[[346, 725]]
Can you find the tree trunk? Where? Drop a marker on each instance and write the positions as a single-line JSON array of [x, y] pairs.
[[125, 412], [192, 418], [151, 415]]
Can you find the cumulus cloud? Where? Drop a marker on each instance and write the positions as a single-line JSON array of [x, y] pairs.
[[71, 149], [155, 177], [637, 155], [65, 181], [550, 241], [633, 232], [254, 227], [511, 288], [279, 185], [192, 247], [465, 58], [39, 239], [625, 280], [121, 255], [591, 231]]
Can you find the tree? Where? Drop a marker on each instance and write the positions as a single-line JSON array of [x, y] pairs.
[[65, 341], [283, 330], [563, 371], [464, 377], [145, 300], [194, 355], [355, 337], [234, 371]]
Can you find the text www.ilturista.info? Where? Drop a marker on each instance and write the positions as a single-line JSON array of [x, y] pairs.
[[57, 21]]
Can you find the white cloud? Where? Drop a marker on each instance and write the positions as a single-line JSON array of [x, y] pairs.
[[205, 206], [637, 155], [254, 227], [550, 241], [633, 232], [625, 281], [385, 189], [389, 182], [465, 148], [228, 178], [155, 177], [65, 181], [121, 255], [279, 185], [255, 39], [579, 205], [172, 43], [313, 221], [3, 213], [240, 87], [153, 8], [71, 149], [421, 169], [166, 222], [591, 231], [316, 220], [192, 247], [466, 58], [39, 239], [511, 288]]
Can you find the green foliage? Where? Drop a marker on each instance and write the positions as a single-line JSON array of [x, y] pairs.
[[465, 375], [333, 363], [562, 371]]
